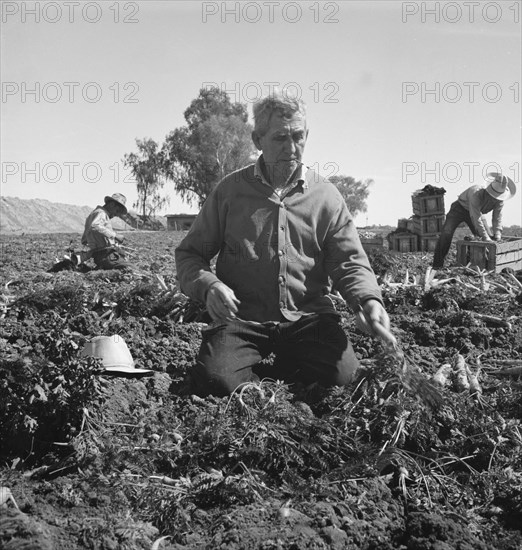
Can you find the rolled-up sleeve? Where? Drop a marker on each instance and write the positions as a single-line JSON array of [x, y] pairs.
[[497, 218], [475, 206]]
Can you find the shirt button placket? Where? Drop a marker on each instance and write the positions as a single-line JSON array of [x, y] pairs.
[[282, 256]]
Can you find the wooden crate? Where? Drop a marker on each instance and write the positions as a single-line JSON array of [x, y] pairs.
[[404, 242], [428, 242], [427, 204], [369, 244], [428, 225], [491, 256]]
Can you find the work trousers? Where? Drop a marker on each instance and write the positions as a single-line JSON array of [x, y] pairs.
[[110, 259], [456, 215], [313, 349]]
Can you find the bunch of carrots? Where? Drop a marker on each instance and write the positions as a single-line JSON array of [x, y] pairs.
[[462, 378]]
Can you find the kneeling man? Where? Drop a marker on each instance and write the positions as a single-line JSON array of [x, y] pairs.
[[99, 236], [283, 235]]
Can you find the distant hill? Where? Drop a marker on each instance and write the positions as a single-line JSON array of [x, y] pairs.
[[41, 216]]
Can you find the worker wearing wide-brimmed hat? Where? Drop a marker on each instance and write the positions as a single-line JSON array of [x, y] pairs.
[[470, 208], [100, 237]]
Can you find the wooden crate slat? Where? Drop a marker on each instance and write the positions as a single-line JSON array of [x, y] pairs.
[[429, 225], [427, 204], [428, 242], [514, 264], [377, 240], [462, 251], [512, 256], [491, 256], [509, 245], [405, 242]]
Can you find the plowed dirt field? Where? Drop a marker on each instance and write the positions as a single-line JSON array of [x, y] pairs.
[[107, 463]]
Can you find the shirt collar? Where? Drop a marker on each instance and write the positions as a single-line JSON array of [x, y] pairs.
[[300, 177]]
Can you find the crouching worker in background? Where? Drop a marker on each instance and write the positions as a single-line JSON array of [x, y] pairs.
[[100, 237], [470, 207], [281, 233]]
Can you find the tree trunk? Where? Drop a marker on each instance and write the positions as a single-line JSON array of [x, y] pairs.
[[144, 205]]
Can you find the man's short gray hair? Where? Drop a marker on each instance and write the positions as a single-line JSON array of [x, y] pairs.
[[286, 106]]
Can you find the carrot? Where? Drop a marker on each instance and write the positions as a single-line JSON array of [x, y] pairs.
[[474, 386], [492, 319], [441, 377], [460, 375]]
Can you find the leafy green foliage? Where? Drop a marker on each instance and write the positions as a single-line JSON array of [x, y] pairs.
[[63, 298], [46, 398], [354, 192], [215, 142], [147, 168], [261, 428]]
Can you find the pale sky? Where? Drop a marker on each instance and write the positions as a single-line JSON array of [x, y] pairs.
[[405, 93]]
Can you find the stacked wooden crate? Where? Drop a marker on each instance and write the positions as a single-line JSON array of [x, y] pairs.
[[403, 242], [403, 239], [428, 218], [371, 240], [374, 243], [422, 230]]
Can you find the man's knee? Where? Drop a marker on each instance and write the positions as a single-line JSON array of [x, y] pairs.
[[212, 376], [344, 371], [225, 360], [219, 386]]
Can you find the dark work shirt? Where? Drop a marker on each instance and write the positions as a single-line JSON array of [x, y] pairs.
[[278, 254]]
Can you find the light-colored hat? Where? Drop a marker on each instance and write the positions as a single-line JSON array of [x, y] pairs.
[[119, 198], [114, 353], [500, 187]]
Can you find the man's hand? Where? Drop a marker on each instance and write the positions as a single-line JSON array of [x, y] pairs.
[[497, 237], [119, 238], [373, 319], [221, 302]]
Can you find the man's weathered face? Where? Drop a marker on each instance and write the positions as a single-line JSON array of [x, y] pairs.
[[113, 209], [282, 146]]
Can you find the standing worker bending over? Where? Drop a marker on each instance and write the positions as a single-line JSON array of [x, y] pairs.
[[280, 232], [470, 207]]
